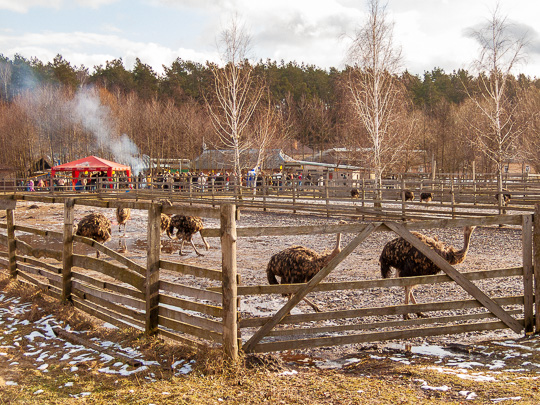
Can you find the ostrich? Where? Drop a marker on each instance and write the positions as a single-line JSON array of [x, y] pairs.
[[505, 197], [187, 227], [409, 262], [409, 195], [427, 197], [298, 264], [95, 226], [165, 222], [122, 216]]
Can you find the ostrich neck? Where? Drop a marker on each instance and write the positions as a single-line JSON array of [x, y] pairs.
[[460, 255]]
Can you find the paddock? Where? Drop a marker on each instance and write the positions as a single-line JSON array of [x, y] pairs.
[[223, 298]]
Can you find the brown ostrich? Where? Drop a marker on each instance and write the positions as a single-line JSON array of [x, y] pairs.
[[409, 195], [122, 216], [409, 262], [95, 226], [298, 264], [187, 227], [427, 197], [165, 222], [505, 197]]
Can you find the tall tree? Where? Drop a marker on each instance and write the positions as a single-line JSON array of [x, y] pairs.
[[237, 91], [500, 51], [374, 89]]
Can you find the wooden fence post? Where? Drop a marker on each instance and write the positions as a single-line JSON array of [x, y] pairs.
[[67, 249], [9, 206], [528, 294], [152, 269], [327, 194], [229, 282], [536, 245]]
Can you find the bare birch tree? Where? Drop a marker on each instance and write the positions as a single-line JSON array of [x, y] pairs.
[[374, 89], [501, 50], [237, 92]]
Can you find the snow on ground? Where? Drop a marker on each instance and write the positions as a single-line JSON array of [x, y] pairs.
[[38, 345]]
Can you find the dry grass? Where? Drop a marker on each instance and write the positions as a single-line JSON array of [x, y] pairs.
[[253, 380]]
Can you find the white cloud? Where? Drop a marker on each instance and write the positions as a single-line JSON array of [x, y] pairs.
[[76, 48], [23, 6]]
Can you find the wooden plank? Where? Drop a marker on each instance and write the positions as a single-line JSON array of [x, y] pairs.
[[375, 337], [190, 330], [110, 269], [130, 313], [105, 314], [110, 296], [39, 263], [190, 270], [229, 282], [130, 264], [379, 311], [39, 272], [180, 339], [152, 269], [11, 243], [188, 291], [7, 204], [295, 331], [536, 249], [67, 249], [127, 312], [105, 285], [190, 305], [364, 284], [528, 290], [302, 292], [189, 319], [37, 252], [191, 211], [40, 232], [456, 276], [355, 228]]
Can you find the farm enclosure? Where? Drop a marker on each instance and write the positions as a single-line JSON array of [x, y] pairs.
[[354, 298]]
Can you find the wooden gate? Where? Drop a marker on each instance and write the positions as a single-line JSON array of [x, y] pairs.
[[494, 307]]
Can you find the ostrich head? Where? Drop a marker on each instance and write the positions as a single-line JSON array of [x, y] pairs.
[[458, 256]]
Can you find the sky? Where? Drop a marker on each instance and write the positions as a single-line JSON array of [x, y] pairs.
[[431, 33]]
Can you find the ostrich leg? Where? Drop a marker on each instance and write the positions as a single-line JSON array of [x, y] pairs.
[[409, 296], [207, 246], [196, 251], [181, 246]]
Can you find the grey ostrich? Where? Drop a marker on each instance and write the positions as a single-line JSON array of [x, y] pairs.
[[409, 262], [427, 197], [95, 226], [122, 216], [298, 264], [187, 227]]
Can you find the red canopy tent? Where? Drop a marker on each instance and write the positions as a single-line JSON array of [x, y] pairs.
[[91, 164]]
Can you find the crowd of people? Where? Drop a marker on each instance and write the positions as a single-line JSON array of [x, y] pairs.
[[167, 180]]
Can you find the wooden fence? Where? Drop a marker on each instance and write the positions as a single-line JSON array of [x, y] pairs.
[[124, 292], [133, 294]]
